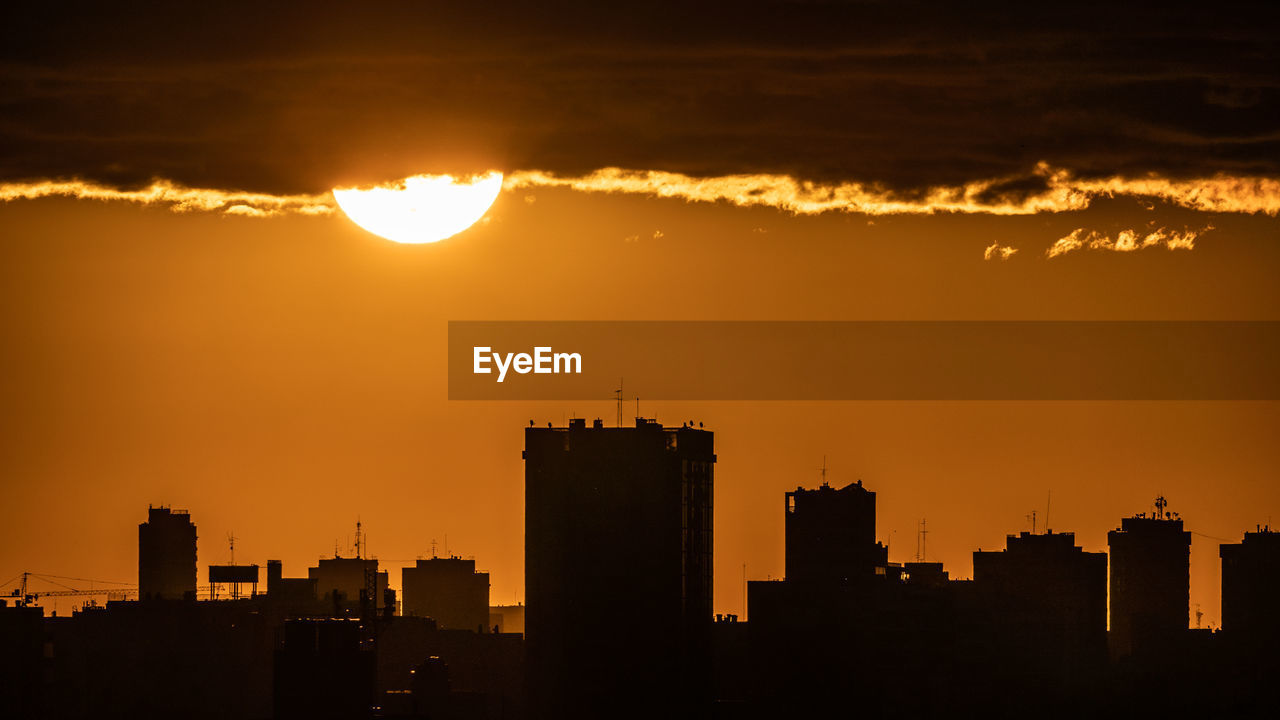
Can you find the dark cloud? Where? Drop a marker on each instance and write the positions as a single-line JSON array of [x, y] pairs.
[[296, 99]]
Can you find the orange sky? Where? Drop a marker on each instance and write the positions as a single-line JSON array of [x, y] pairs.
[[280, 377]]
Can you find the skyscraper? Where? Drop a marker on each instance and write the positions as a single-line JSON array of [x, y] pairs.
[[1150, 583], [166, 555], [618, 543]]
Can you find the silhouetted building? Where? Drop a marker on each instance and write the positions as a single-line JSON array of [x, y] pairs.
[[618, 562], [324, 669], [1049, 600], [448, 590], [929, 574], [1251, 586], [295, 597], [844, 629], [1150, 583], [21, 661], [129, 660], [831, 534], [345, 583], [507, 618], [166, 555]]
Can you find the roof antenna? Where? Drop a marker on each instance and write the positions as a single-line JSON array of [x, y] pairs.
[[922, 541], [618, 392], [824, 470], [1047, 504]]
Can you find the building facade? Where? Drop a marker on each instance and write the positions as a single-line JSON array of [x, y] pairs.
[[618, 563], [1251, 586], [1150, 580], [831, 534], [448, 590], [166, 555]]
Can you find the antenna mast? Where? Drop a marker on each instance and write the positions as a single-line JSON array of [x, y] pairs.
[[922, 540], [1047, 504]]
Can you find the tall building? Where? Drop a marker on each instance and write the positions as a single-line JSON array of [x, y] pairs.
[[845, 627], [448, 590], [1251, 586], [166, 555], [618, 543], [1150, 583], [831, 534], [1049, 599]]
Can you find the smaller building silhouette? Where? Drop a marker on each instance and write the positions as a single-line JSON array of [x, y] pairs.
[[507, 618], [448, 590], [345, 584], [1048, 600], [831, 534], [166, 555], [323, 669], [1251, 586], [928, 574]]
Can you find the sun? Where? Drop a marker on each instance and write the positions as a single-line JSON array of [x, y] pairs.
[[422, 208]]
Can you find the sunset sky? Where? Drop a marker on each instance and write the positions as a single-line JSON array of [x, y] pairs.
[[189, 319]]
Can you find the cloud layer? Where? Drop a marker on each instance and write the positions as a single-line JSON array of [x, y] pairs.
[[177, 198], [896, 96], [1059, 192]]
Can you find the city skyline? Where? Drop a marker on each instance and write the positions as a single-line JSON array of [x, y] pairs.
[[356, 546], [620, 620]]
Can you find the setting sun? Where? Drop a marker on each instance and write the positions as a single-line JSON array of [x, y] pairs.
[[422, 208]]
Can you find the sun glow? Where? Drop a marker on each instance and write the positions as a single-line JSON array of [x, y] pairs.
[[422, 208]]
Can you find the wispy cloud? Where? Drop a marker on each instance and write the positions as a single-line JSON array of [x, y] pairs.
[[177, 198], [996, 251], [1054, 191], [1045, 190], [1124, 241]]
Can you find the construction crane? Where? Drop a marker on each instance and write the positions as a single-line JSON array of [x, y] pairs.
[[26, 596]]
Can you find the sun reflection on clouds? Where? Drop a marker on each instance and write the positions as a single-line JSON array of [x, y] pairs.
[[1055, 191]]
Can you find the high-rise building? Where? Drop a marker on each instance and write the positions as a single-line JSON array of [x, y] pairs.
[[831, 534], [1150, 583], [1050, 599], [166, 555], [1251, 586], [618, 549], [448, 590]]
